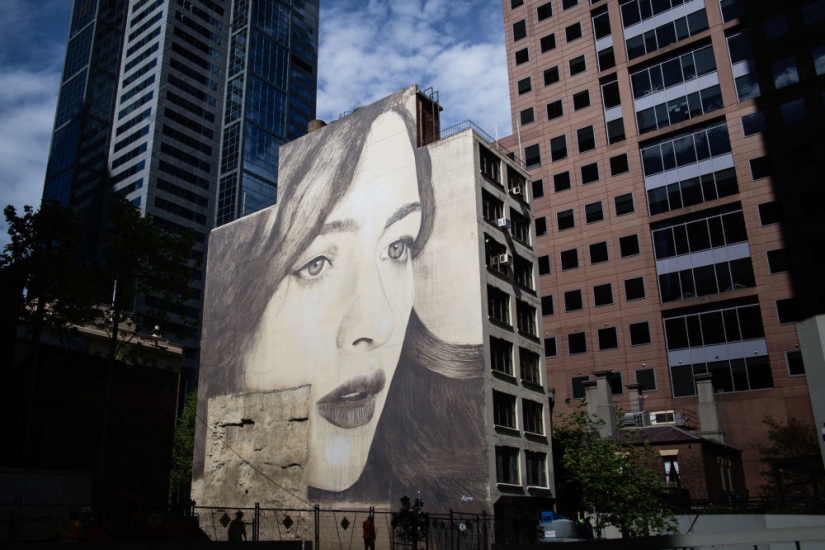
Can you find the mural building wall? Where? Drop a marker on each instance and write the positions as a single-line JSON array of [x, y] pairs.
[[344, 328]]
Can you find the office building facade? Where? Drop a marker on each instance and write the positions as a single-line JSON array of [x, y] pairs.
[[180, 107], [674, 150]]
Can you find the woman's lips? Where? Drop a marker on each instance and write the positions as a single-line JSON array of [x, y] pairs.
[[352, 404]]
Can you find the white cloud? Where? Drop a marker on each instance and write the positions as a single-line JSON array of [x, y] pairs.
[[370, 50]]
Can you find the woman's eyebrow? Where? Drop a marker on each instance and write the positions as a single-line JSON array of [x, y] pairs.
[[402, 213], [347, 225]]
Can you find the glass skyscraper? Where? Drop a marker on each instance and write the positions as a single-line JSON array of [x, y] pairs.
[[180, 106]]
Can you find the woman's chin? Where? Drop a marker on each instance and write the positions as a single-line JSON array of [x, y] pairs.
[[341, 458]]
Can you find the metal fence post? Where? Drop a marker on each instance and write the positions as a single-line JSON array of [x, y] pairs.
[[452, 529], [256, 522], [317, 527], [484, 544]]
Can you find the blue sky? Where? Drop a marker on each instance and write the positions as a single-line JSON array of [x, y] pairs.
[[368, 49]]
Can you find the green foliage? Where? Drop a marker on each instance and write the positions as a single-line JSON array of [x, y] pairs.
[[141, 259], [610, 476], [52, 288], [410, 523], [794, 468], [183, 447]]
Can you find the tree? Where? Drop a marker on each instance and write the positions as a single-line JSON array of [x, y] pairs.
[[52, 290], [793, 461], [183, 447], [610, 476], [410, 523], [142, 260]]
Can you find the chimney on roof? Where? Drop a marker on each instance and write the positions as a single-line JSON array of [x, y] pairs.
[[708, 415], [315, 124], [600, 402]]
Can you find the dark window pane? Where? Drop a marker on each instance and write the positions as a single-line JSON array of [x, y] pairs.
[[593, 212], [561, 182], [590, 173], [778, 260], [682, 379], [581, 100], [619, 164], [629, 245], [524, 85], [538, 189], [551, 76], [548, 43], [705, 279], [577, 65], [578, 389], [547, 305], [608, 338], [544, 11], [544, 265], [606, 59], [759, 373], [615, 131], [565, 220], [770, 213], [646, 378], [750, 322], [586, 138], [788, 310], [554, 110], [598, 252], [527, 116], [569, 259], [634, 289], [676, 333], [522, 56], [639, 333], [577, 342], [760, 167], [519, 30], [541, 225], [603, 294], [558, 148], [573, 32], [532, 156], [550, 347], [753, 123], [795, 365], [670, 287], [573, 300], [624, 204], [657, 200]]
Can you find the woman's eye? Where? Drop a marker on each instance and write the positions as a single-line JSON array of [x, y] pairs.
[[314, 267], [397, 250]]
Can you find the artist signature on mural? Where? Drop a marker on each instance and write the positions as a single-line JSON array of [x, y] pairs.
[[465, 498]]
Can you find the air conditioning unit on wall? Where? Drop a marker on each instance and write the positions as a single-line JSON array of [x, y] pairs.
[[505, 259], [504, 223]]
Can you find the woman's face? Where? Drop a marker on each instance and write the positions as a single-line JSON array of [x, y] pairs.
[[338, 319]]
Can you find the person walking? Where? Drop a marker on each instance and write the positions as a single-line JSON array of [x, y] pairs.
[[237, 528], [369, 533], [71, 530]]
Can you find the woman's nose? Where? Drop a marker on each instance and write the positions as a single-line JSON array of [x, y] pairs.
[[368, 322]]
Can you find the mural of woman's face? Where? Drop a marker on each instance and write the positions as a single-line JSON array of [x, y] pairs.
[[338, 319]]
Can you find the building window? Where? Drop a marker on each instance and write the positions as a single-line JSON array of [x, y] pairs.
[[498, 305], [538, 189], [784, 72], [578, 386], [795, 365], [493, 251], [573, 300], [522, 56], [547, 305], [779, 260], [558, 148], [524, 85], [492, 208], [619, 164], [760, 167], [577, 343], [590, 173], [565, 220], [624, 204], [544, 11], [554, 110], [639, 333], [731, 9], [573, 32], [527, 116], [551, 75], [615, 131], [561, 182], [569, 259], [603, 294], [776, 27], [544, 265], [673, 71], [581, 100], [516, 3], [501, 355], [550, 347], [608, 338], [813, 12], [519, 30], [520, 227], [490, 165], [679, 109], [536, 469], [629, 245], [601, 25], [548, 43], [634, 289], [567, 4], [577, 65], [523, 272], [753, 123], [788, 311], [507, 465], [646, 378], [819, 59], [526, 318], [541, 226], [593, 212], [685, 149], [770, 213], [598, 252], [530, 369], [696, 330], [610, 94], [663, 35], [793, 111], [504, 410], [533, 417], [532, 156], [700, 234]]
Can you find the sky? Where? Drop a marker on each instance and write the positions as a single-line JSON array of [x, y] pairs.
[[368, 50]]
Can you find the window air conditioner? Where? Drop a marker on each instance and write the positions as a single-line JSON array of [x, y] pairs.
[[505, 259], [503, 222], [517, 191]]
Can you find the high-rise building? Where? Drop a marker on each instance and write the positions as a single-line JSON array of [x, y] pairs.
[[675, 153], [163, 99]]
